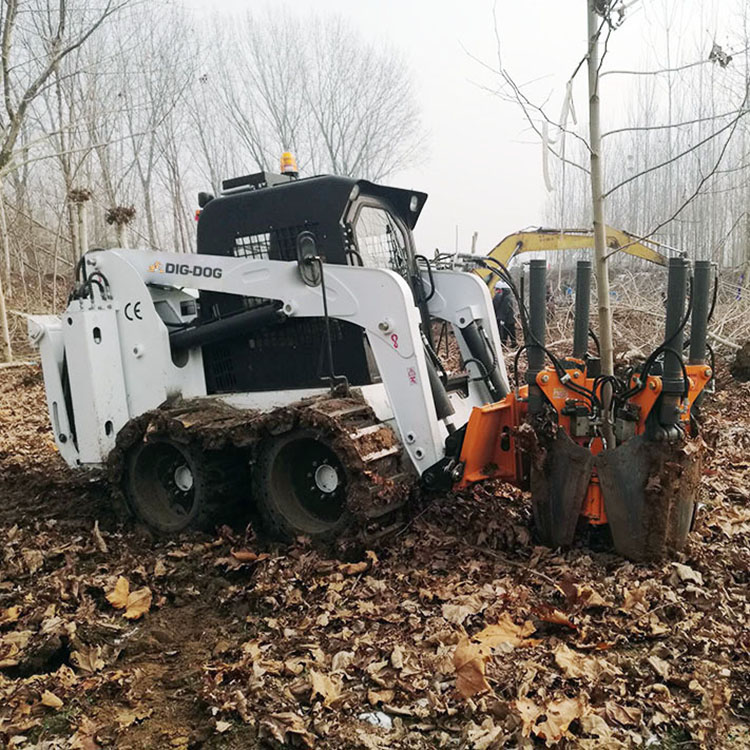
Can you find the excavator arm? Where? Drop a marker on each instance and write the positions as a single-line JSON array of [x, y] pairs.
[[572, 239]]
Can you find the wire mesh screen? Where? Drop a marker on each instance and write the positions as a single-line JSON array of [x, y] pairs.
[[252, 246], [278, 244]]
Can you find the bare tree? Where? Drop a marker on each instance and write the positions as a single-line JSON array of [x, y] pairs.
[[314, 86], [29, 54]]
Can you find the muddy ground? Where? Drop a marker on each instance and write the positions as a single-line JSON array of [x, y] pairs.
[[460, 632]]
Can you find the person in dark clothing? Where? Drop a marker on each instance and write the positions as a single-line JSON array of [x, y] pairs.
[[502, 302]]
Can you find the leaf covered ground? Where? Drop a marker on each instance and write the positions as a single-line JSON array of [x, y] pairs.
[[460, 632]]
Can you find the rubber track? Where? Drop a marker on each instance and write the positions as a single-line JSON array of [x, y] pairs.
[[371, 451]]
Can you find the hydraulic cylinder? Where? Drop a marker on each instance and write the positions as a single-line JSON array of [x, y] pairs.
[[537, 330]]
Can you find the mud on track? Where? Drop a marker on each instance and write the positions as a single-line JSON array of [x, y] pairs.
[[461, 630]]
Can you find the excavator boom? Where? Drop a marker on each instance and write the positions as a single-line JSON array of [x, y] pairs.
[[572, 239]]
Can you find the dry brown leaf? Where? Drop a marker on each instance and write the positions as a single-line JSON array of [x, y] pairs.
[[160, 569], [593, 724], [580, 595], [341, 660], [469, 662], [660, 666], [353, 569], [286, 722], [11, 645], [576, 666], [118, 597], [246, 555], [529, 713], [397, 657], [251, 649], [223, 726], [559, 716], [325, 687], [66, 676], [590, 598], [101, 545], [139, 602], [686, 573], [635, 599], [457, 611], [33, 558], [553, 615], [83, 739], [127, 717], [625, 715], [486, 737], [470, 655], [275, 728], [9, 615], [380, 696], [505, 631], [51, 700], [88, 659]]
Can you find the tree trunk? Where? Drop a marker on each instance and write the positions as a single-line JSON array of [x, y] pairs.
[[120, 235], [597, 200], [6, 242], [7, 349], [83, 238]]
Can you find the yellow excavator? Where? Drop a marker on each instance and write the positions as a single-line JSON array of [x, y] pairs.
[[573, 239]]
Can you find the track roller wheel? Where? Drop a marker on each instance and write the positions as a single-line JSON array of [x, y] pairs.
[[165, 484], [299, 485]]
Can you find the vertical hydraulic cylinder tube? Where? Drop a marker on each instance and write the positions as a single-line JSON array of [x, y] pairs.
[[583, 304], [537, 330], [699, 321], [673, 384], [481, 351]]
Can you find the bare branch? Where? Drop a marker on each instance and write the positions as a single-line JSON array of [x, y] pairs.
[[731, 125]]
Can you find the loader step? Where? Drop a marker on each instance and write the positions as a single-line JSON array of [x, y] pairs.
[[349, 411], [377, 455]]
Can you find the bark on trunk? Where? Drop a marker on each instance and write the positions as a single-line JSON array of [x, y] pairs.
[[7, 349], [600, 239], [83, 238], [6, 243]]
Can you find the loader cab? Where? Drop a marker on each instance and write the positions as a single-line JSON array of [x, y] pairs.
[[260, 216]]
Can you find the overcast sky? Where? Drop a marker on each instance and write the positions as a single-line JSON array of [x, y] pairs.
[[482, 166]]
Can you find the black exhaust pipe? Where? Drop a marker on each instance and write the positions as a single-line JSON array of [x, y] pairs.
[[537, 330], [699, 321], [583, 305]]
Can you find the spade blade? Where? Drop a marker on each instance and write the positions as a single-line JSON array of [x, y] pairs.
[[560, 476], [650, 490]]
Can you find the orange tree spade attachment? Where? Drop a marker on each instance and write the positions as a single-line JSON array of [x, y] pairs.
[[547, 434]]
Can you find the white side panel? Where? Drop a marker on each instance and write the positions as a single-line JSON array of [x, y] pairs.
[[147, 365], [45, 333], [97, 385]]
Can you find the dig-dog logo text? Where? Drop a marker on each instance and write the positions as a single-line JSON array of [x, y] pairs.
[[185, 269]]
